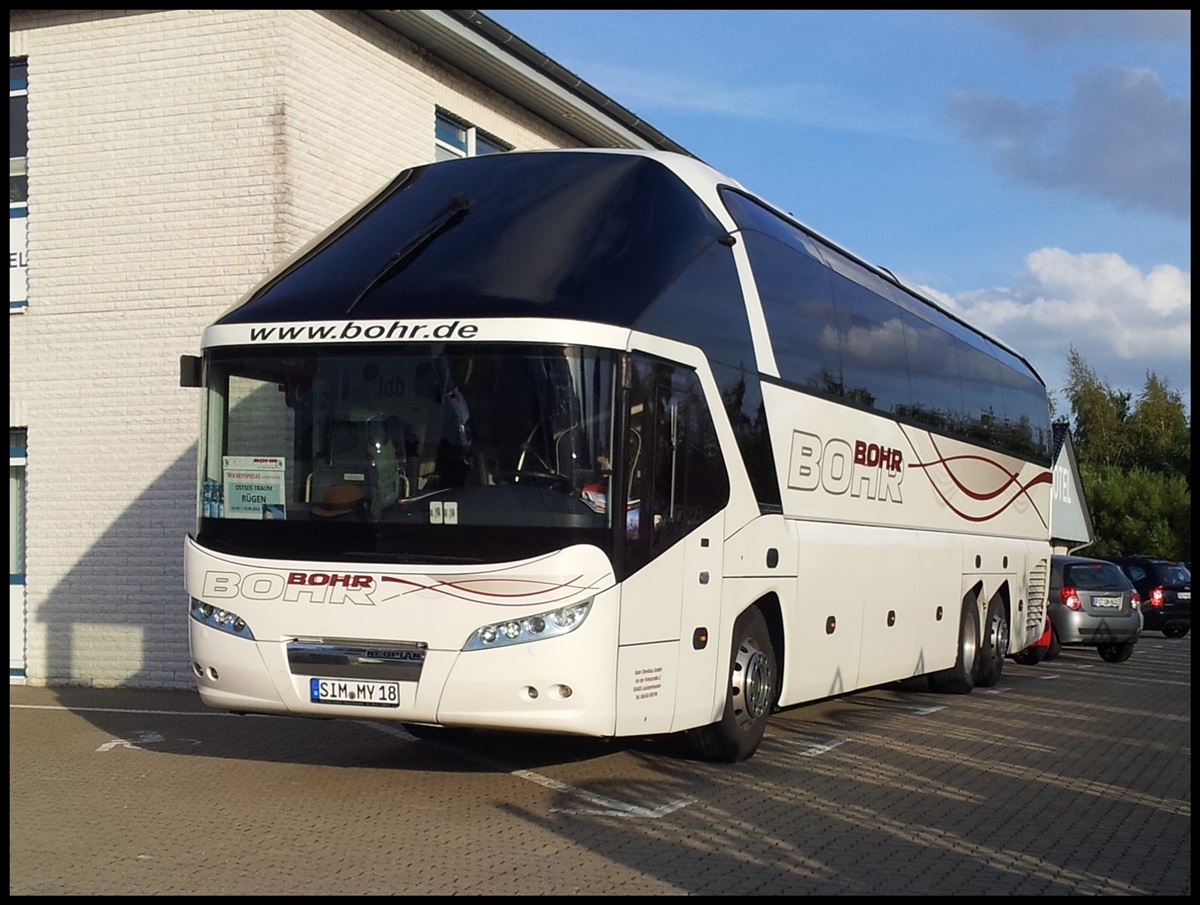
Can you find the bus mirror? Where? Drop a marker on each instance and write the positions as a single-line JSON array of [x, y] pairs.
[[189, 371]]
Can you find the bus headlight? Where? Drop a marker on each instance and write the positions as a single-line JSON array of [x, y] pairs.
[[529, 628], [220, 619]]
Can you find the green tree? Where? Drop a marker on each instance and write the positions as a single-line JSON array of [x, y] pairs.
[[1100, 433], [1134, 464], [1160, 424], [1138, 511]]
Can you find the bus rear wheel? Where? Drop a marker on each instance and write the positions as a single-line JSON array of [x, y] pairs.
[[960, 678], [990, 663], [749, 697]]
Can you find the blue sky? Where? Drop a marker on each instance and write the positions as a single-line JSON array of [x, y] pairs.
[[1029, 169]]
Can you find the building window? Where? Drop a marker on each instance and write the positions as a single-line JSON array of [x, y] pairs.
[[455, 137], [16, 555], [18, 183]]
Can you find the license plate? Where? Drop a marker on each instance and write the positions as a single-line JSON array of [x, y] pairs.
[[348, 691], [1185, 595], [1110, 602]]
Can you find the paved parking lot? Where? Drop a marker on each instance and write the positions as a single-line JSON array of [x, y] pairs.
[[1072, 777]]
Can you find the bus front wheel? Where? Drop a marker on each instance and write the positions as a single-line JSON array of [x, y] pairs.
[[749, 696]]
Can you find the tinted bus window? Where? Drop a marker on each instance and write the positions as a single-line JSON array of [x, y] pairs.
[[874, 359], [797, 301], [796, 295], [934, 375], [704, 307], [983, 400], [1027, 417]]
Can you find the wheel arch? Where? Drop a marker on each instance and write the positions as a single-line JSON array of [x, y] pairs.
[[772, 610], [985, 595], [977, 597], [960, 678], [1004, 594]]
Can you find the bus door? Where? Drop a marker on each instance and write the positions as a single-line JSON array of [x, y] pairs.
[[677, 490]]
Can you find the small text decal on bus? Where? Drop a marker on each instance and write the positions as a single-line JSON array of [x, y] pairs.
[[839, 466], [308, 587], [373, 330]]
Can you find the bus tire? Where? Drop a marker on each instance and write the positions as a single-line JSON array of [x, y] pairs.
[[990, 662], [749, 696], [960, 678]]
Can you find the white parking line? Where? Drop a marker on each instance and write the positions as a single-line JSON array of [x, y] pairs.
[[606, 806], [609, 807], [135, 710], [812, 748]]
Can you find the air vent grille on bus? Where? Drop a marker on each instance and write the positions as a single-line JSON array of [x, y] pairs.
[[1035, 610]]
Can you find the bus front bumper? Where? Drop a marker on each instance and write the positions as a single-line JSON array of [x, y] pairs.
[[563, 684]]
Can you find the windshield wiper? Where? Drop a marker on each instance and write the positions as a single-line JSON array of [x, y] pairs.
[[449, 216]]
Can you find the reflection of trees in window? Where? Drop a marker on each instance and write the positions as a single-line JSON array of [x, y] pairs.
[[927, 416], [1027, 426], [981, 428], [828, 382], [861, 395], [1022, 437]]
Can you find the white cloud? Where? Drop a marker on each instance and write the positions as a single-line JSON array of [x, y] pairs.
[[1124, 322]]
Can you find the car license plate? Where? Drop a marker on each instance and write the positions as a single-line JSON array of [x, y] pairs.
[[1108, 602], [1185, 595], [348, 691]]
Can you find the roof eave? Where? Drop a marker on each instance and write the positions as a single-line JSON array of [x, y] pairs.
[[482, 48]]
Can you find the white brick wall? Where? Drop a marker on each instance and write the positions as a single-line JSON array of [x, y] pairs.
[[175, 157]]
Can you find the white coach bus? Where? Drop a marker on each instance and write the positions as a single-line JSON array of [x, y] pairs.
[[600, 443]]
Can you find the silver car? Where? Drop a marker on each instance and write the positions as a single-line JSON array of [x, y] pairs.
[[1092, 604]]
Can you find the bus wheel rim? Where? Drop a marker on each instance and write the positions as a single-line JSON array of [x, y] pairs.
[[751, 684]]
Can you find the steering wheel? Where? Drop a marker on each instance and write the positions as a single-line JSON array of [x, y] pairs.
[[535, 479]]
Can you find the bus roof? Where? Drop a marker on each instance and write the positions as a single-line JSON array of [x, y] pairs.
[[579, 234]]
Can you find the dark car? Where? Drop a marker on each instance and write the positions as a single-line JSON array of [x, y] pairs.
[[1166, 589], [1092, 604]]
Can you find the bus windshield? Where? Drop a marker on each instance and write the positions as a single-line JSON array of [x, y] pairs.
[[406, 453]]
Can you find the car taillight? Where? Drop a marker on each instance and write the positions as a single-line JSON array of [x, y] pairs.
[[1135, 599], [1156, 596], [1069, 598]]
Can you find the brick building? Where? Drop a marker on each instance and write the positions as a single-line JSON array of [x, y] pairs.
[[162, 162]]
